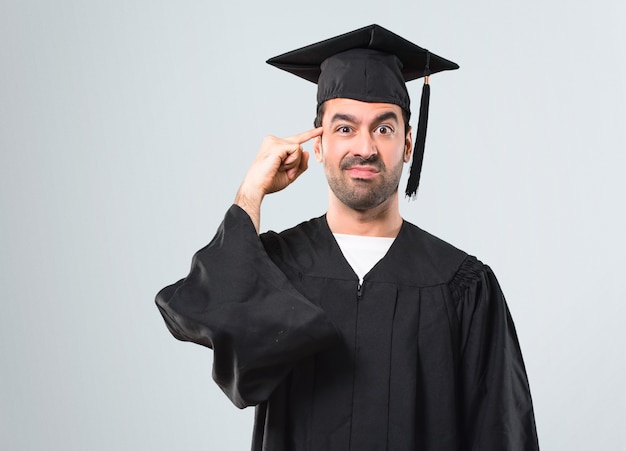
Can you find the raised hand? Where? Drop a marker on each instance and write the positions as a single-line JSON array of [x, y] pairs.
[[278, 163]]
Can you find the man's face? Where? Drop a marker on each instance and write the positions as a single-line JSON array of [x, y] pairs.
[[363, 149]]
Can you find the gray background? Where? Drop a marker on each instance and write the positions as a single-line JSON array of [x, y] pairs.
[[126, 127]]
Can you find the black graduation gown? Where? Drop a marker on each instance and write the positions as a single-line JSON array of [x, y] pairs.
[[422, 356]]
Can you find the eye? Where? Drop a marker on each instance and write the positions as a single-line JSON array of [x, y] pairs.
[[384, 130], [344, 129]]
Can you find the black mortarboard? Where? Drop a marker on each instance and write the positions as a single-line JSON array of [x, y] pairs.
[[370, 64]]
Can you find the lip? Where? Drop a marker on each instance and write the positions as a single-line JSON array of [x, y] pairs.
[[362, 172]]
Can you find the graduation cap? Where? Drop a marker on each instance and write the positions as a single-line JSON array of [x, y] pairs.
[[370, 64]]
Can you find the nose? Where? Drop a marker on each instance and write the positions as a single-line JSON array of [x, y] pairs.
[[364, 146]]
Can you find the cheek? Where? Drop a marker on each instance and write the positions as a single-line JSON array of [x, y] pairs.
[[331, 150], [395, 151]]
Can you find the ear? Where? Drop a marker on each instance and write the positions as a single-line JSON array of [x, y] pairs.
[[317, 148], [408, 145]]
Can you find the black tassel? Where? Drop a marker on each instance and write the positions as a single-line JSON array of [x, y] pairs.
[[420, 143], [420, 138]]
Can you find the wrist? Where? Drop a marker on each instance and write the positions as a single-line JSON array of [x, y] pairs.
[[250, 202]]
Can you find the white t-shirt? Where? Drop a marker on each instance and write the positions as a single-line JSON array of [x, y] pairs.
[[362, 252]]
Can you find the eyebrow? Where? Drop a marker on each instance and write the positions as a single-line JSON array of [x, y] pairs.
[[352, 119], [343, 117]]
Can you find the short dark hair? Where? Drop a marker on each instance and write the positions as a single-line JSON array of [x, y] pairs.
[[406, 116]]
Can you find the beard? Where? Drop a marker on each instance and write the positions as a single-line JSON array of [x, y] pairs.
[[364, 194]]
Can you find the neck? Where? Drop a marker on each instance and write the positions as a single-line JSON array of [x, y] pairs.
[[383, 220]]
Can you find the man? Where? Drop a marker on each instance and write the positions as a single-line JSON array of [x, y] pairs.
[[355, 330]]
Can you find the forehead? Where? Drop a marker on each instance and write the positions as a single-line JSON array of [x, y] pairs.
[[361, 111]]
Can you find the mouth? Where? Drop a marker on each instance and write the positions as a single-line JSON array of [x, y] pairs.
[[362, 172]]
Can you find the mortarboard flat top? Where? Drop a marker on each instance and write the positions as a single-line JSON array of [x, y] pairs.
[[306, 61]]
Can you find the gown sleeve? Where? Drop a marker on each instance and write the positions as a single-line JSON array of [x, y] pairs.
[[497, 412], [238, 303]]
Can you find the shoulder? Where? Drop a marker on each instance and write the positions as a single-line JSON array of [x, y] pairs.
[[428, 260], [431, 246], [423, 259], [305, 233], [299, 244]]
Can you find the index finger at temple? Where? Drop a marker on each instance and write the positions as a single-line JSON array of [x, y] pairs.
[[301, 138]]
